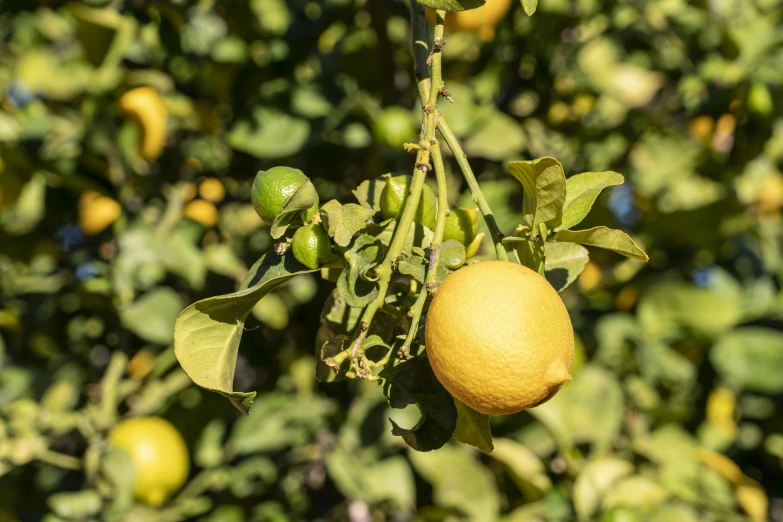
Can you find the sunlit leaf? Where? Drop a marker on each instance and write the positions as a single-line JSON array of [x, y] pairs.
[[472, 427], [602, 237], [207, 333], [581, 192], [544, 185]]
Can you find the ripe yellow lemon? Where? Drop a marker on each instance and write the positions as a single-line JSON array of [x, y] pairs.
[[499, 338], [202, 211], [159, 454], [97, 212], [481, 20], [148, 109]]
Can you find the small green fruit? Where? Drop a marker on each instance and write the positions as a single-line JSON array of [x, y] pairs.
[[311, 245], [393, 197], [271, 190], [394, 127], [461, 225], [760, 100]]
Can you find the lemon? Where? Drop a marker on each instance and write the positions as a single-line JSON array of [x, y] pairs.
[[393, 199], [148, 109], [481, 20], [202, 212], [499, 338], [311, 245], [394, 127], [159, 454], [212, 190], [97, 212], [473, 248], [271, 190], [461, 225]]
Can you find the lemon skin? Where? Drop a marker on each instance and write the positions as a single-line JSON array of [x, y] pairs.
[[271, 190], [159, 455], [311, 245], [393, 199], [499, 338]]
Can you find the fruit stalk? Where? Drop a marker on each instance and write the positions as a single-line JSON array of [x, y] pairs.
[[419, 38], [432, 269]]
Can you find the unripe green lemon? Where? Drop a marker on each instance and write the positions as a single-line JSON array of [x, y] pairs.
[[393, 197], [159, 455], [272, 188], [472, 248], [311, 245], [394, 127], [461, 225]]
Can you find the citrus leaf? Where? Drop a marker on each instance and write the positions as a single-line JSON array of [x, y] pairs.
[[368, 193], [750, 357], [529, 6], [603, 237], [544, 186], [343, 221], [452, 5], [497, 138], [304, 198], [153, 315], [595, 480], [207, 333], [269, 134], [473, 427], [581, 192], [413, 382], [413, 266], [354, 283], [563, 263], [525, 468], [531, 254], [459, 480]]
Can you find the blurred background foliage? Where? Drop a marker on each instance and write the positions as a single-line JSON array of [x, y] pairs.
[[674, 413]]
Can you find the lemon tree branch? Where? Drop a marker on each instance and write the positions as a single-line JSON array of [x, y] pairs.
[[419, 38], [354, 353], [432, 269]]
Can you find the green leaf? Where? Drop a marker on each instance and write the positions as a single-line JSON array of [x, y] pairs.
[[564, 262], [452, 5], [413, 382], [635, 491], [581, 192], [78, 505], [525, 468], [343, 221], [354, 283], [672, 309], [529, 6], [473, 427], [269, 134], [498, 138], [595, 479], [459, 480], [603, 237], [414, 266], [587, 409], [152, 316], [532, 254], [207, 333], [368, 193], [544, 186], [750, 357], [304, 198]]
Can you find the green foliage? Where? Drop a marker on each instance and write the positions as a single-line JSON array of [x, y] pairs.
[[681, 355]]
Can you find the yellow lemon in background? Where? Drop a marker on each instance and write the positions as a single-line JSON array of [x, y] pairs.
[[148, 109], [499, 338], [159, 454], [97, 212]]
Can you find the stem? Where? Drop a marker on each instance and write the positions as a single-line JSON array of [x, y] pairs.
[[432, 269], [359, 365], [418, 35], [60, 460], [109, 392], [478, 196]]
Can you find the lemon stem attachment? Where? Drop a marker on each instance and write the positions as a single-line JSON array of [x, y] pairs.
[[432, 269], [419, 38]]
